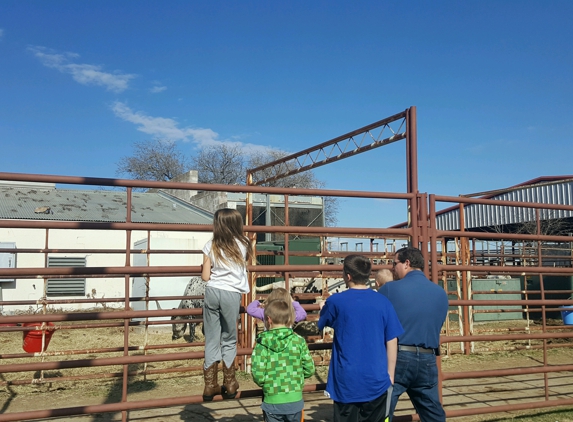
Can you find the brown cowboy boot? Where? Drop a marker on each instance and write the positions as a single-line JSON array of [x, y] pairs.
[[230, 383], [212, 387]]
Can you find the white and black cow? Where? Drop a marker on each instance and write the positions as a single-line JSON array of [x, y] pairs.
[[195, 287]]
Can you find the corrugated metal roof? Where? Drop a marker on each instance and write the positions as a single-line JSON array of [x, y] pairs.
[[96, 206], [479, 215]]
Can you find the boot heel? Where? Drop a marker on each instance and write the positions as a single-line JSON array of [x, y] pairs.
[[212, 387], [226, 394], [230, 383], [208, 398]]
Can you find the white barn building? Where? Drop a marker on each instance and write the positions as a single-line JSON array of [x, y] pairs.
[[45, 202]]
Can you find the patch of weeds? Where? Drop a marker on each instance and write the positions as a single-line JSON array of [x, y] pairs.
[[243, 376]]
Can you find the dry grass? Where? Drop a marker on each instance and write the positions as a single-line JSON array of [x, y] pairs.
[[84, 343], [99, 390], [69, 344]]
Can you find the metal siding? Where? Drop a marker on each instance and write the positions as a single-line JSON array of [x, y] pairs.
[[497, 285], [479, 215]]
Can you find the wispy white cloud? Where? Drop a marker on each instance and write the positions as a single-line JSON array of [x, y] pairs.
[[85, 74], [162, 127], [157, 89], [166, 128]]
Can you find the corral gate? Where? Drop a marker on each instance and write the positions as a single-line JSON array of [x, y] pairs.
[[453, 257]]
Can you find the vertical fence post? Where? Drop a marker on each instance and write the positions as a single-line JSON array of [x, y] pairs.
[[126, 305]]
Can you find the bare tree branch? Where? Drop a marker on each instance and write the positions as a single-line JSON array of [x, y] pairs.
[[220, 164], [153, 160], [305, 180]]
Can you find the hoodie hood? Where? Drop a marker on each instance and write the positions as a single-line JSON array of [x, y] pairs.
[[277, 339]]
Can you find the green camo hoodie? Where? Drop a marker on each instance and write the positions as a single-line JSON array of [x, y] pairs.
[[280, 363]]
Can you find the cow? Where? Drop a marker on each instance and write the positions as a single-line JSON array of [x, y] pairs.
[[195, 287]]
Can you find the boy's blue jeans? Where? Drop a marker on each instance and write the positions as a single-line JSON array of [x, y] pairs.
[[293, 417], [417, 375]]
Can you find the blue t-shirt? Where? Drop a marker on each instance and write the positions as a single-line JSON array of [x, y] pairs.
[[421, 306], [363, 321]]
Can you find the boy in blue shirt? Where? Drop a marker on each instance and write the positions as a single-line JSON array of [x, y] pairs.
[[364, 348]]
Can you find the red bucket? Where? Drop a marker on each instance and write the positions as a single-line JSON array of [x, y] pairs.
[[32, 342]]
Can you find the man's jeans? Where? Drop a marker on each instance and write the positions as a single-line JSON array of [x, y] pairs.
[[417, 374]]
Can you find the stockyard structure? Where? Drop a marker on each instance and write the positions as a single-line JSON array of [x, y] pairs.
[[522, 233]]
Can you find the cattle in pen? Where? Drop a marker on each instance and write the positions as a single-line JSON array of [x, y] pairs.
[[195, 287]]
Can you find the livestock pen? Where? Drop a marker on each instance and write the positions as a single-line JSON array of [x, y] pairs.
[[140, 352]]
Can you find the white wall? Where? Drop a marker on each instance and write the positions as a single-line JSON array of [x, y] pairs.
[[107, 287], [166, 286]]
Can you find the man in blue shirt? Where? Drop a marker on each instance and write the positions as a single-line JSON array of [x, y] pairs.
[[364, 348], [422, 307]]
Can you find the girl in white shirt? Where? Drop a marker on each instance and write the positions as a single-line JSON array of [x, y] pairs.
[[225, 271]]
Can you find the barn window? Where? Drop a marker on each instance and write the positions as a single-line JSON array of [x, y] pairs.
[[66, 286]]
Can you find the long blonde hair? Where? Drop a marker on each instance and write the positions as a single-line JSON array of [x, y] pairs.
[[227, 230]]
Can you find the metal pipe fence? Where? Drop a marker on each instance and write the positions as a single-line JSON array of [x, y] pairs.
[[457, 267]]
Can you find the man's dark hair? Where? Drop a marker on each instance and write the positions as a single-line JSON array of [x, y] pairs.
[[411, 254], [358, 267]]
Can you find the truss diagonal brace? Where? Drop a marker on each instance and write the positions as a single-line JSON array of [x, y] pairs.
[[341, 147]]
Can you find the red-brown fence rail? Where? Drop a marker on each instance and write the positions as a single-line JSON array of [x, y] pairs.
[[455, 257]]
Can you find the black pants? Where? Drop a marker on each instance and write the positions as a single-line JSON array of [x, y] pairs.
[[369, 411]]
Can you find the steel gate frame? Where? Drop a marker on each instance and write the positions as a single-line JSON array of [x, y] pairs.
[[421, 232]]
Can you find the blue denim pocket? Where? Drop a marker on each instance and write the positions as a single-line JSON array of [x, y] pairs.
[[429, 371]]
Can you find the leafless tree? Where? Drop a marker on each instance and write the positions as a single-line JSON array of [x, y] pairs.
[[305, 180], [153, 160], [330, 211], [220, 163]]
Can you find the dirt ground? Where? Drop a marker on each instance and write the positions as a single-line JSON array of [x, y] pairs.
[[54, 393]]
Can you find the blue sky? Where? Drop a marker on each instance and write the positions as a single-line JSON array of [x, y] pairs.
[[492, 81]]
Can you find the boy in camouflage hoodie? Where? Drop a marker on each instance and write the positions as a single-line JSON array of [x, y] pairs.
[[280, 363]]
